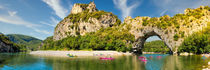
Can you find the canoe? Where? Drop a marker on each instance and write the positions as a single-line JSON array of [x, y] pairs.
[[144, 60], [70, 55], [150, 56], [142, 57], [104, 58], [159, 56]]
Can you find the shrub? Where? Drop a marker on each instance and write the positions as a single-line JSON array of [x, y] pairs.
[[197, 43], [176, 37], [155, 46], [104, 39]]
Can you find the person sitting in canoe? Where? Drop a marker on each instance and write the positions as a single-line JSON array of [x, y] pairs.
[[71, 55]]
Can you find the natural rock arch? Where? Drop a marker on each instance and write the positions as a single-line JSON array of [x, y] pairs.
[[139, 43], [142, 32], [172, 30]]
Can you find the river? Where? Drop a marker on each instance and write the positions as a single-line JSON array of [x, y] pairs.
[[154, 62]]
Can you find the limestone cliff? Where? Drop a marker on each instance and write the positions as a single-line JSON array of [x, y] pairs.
[[172, 30], [6, 45], [78, 8], [84, 18]]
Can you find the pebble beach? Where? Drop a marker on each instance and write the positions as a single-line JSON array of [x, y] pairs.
[[78, 53]]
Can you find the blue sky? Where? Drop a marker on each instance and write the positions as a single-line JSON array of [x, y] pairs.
[[38, 18]]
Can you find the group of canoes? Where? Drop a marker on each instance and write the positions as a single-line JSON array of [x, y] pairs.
[[144, 59], [101, 58]]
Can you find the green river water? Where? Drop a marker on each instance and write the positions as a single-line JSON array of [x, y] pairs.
[[166, 62]]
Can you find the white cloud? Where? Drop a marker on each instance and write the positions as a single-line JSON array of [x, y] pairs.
[[163, 12], [12, 18], [45, 23], [12, 13], [70, 5], [59, 10], [125, 9], [56, 6], [178, 6], [53, 22], [15, 20], [42, 31], [1, 7]]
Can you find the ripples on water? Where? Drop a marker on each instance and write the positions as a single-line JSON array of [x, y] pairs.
[[154, 62]]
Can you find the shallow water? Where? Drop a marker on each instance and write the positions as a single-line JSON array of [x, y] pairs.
[[154, 62]]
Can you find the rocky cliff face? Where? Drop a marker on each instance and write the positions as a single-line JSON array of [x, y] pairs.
[[84, 18], [6, 45], [172, 30], [78, 8]]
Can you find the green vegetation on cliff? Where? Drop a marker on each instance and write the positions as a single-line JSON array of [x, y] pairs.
[[166, 21], [177, 21], [29, 43], [82, 5], [155, 46], [198, 42], [85, 15], [119, 37], [104, 39], [13, 47]]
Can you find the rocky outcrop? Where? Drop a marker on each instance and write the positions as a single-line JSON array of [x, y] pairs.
[[78, 8], [172, 30], [6, 45], [84, 18]]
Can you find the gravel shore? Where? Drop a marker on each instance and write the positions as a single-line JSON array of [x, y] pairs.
[[78, 53]]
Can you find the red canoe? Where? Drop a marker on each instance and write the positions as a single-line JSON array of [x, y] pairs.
[[104, 58]]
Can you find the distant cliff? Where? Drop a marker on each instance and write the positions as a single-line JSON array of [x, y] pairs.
[[7, 46], [84, 18]]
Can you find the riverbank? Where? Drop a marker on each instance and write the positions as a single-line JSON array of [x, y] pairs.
[[78, 53], [187, 54], [153, 53], [206, 55]]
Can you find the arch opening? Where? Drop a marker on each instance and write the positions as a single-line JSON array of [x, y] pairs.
[[154, 44], [139, 45]]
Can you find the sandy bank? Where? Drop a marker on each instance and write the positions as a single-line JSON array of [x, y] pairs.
[[78, 53], [152, 53], [206, 55], [186, 54]]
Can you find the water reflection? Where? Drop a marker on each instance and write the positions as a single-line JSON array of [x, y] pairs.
[[17, 61], [89, 63], [154, 62]]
